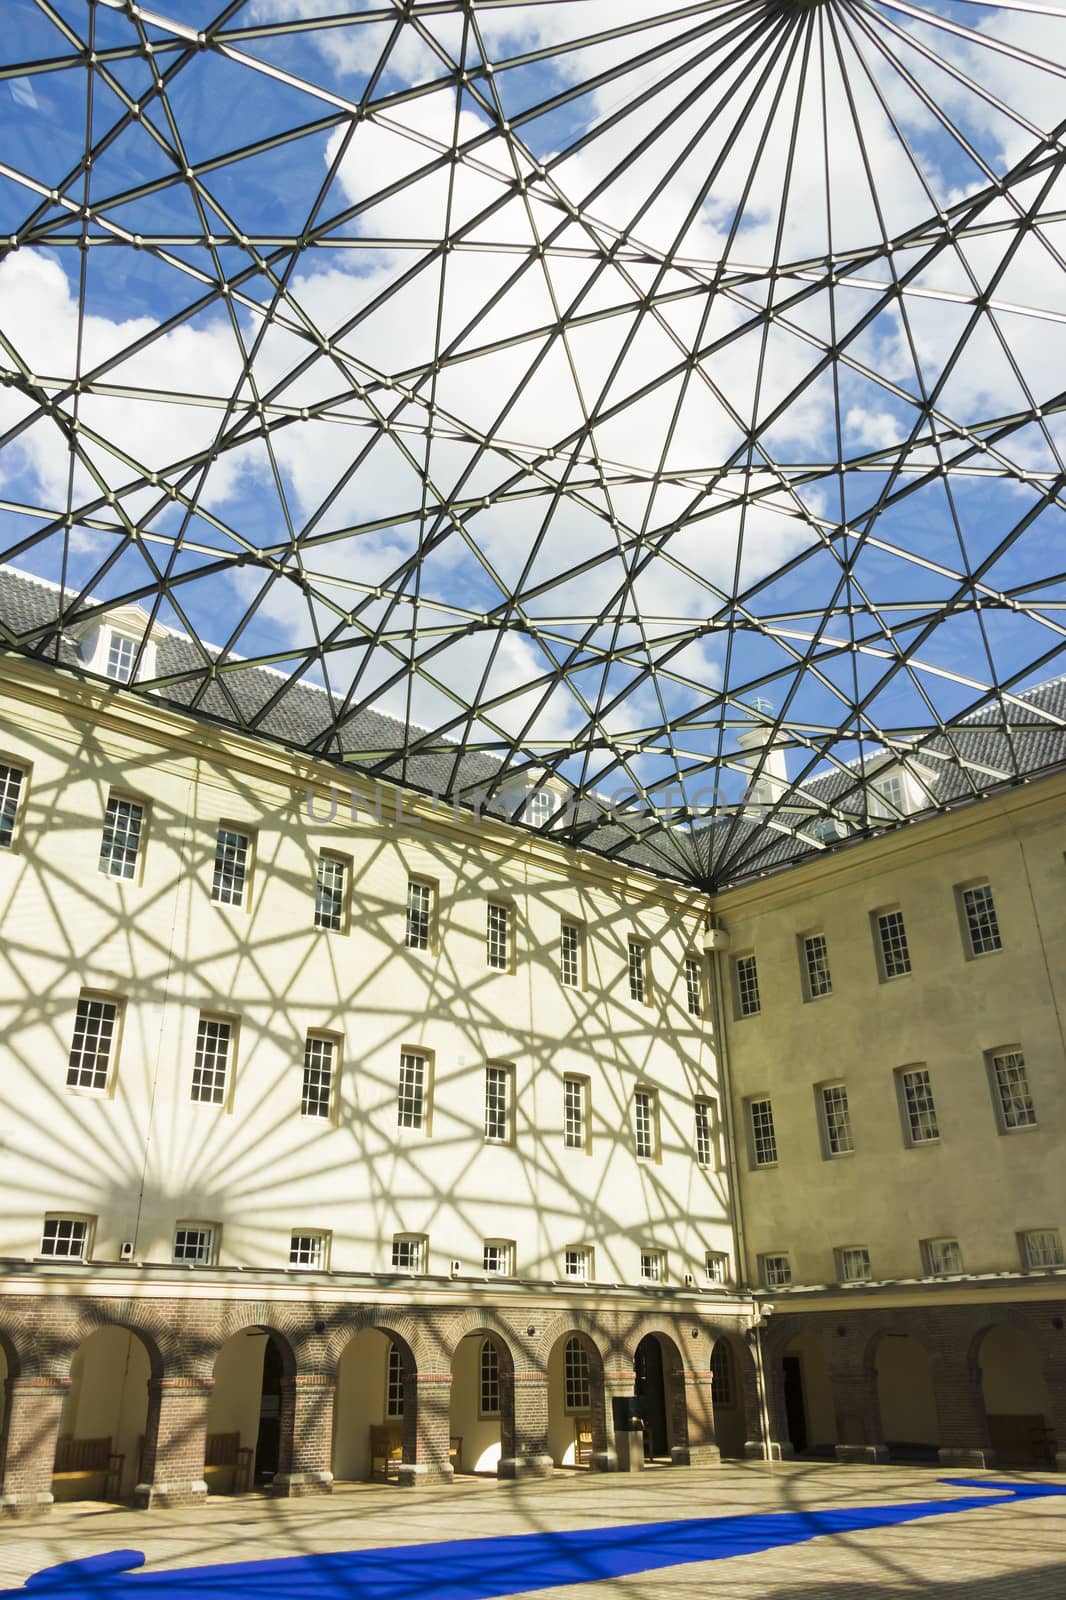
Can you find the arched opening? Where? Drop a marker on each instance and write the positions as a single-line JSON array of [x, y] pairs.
[[482, 1405], [105, 1412], [659, 1386], [727, 1398], [808, 1397], [375, 1399], [906, 1397], [1016, 1399], [244, 1416], [575, 1401]]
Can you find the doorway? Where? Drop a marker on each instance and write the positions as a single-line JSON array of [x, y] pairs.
[[795, 1410], [268, 1439], [650, 1388]]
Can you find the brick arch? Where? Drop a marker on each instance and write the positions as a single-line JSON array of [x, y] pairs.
[[20, 1348], [875, 1339], [158, 1344], [567, 1322], [478, 1320], [404, 1331], [1001, 1317], [244, 1316], [672, 1331]]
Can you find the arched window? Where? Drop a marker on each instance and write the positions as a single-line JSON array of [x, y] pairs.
[[576, 1376], [394, 1383], [490, 1379], [723, 1390]]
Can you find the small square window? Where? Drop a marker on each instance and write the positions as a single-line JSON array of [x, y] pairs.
[[836, 1120], [65, 1238], [11, 781], [577, 1263], [570, 952], [763, 1133], [408, 1252], [941, 1257], [920, 1124], [1041, 1248], [498, 936], [653, 1266], [418, 934], [214, 1042], [638, 971], [230, 877], [93, 1047], [331, 894], [775, 1271], [1010, 1085], [716, 1266], [746, 980], [853, 1263], [980, 921], [498, 1103], [413, 1091], [575, 1113], [320, 1066], [120, 841], [121, 654], [817, 978], [497, 1257], [194, 1244], [646, 1124], [694, 985], [310, 1250], [893, 951]]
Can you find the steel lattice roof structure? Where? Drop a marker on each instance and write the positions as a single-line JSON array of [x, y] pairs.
[[624, 393]]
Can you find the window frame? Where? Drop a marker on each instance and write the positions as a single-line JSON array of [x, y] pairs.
[[1025, 1234], [233, 1024], [743, 1008], [809, 967], [765, 1257], [753, 1135], [424, 1128], [99, 997], [928, 1246], [877, 920], [420, 1243], [910, 1138], [652, 1255], [419, 880], [236, 830], [825, 1127], [638, 972], [720, 1258], [116, 638], [580, 1082], [708, 1104], [325, 1036], [196, 1225], [508, 1071], [347, 866], [644, 1092], [589, 1254], [507, 1247], [693, 970], [578, 928], [325, 1239], [993, 1057], [577, 1378], [840, 1254], [489, 1381], [966, 925], [24, 772], [80, 1219], [507, 967], [395, 1397], [125, 797]]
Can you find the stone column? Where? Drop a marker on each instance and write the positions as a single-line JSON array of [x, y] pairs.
[[756, 1447], [701, 1450], [175, 1443], [305, 1460], [32, 1413], [857, 1412], [962, 1423], [532, 1458], [426, 1429], [616, 1382]]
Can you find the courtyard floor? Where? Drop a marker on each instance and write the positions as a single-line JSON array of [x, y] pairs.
[[1006, 1550]]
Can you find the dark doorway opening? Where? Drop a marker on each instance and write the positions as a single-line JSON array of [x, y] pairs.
[[650, 1388], [268, 1442], [795, 1411]]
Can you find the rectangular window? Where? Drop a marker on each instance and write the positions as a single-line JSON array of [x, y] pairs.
[[577, 1263], [320, 1060], [577, 1379], [705, 1122], [980, 920], [853, 1263], [497, 1257], [570, 954], [645, 1119], [230, 877], [65, 1238], [638, 971], [331, 894], [498, 1104], [1010, 1081], [575, 1120], [309, 1250], [775, 1271], [1040, 1248], [408, 1253], [93, 1046], [941, 1257], [694, 985], [214, 1039], [411, 1096], [10, 794], [893, 952], [498, 936], [121, 653], [394, 1384], [817, 979], [121, 839], [653, 1266], [419, 934], [716, 1267], [836, 1120], [194, 1244], [746, 976], [763, 1133], [919, 1108], [489, 1397]]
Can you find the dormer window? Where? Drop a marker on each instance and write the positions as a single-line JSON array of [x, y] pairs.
[[540, 807], [121, 654]]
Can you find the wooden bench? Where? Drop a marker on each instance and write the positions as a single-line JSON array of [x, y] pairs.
[[386, 1451], [86, 1469], [582, 1441], [227, 1464]]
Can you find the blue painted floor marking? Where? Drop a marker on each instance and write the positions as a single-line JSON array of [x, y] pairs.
[[483, 1569]]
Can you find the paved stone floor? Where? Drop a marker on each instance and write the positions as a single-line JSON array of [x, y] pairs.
[[1005, 1552]]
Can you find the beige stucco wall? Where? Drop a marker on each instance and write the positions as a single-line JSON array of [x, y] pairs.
[[108, 1396], [143, 1156], [975, 1183], [236, 1398], [480, 1435], [360, 1402]]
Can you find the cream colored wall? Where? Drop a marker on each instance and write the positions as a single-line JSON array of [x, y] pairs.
[[108, 1395], [480, 1435], [817, 1392], [1010, 1373], [562, 1443], [905, 1392], [256, 1166], [974, 1184], [236, 1399], [360, 1403]]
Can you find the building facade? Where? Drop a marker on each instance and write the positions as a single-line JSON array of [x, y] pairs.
[[345, 1134]]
